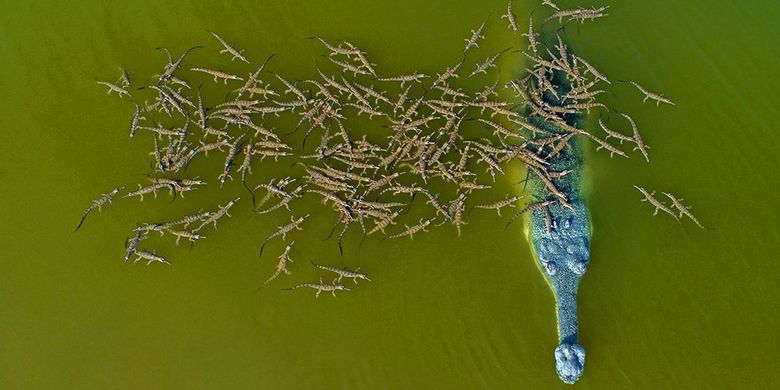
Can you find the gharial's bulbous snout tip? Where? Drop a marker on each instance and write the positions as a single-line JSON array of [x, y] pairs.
[[569, 362]]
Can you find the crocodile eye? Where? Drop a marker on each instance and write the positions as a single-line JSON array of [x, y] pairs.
[[550, 268]]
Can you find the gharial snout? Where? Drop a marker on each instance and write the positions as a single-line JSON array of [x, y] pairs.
[[569, 362]]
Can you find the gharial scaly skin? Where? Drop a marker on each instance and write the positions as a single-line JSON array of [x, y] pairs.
[[563, 255]]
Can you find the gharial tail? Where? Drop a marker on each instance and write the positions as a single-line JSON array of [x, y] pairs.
[[261, 248], [83, 218]]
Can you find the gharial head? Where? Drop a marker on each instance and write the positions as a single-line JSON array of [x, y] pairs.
[[361, 276]]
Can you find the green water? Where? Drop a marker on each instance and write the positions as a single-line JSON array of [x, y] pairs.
[[661, 307]]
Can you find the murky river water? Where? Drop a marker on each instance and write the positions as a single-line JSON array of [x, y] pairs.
[[662, 306]]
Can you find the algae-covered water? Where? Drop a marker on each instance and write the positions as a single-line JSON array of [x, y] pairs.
[[662, 306]]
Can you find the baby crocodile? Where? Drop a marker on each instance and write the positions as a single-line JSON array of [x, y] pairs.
[[320, 287], [344, 273], [98, 204]]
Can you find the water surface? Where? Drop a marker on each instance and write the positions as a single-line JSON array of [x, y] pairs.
[[662, 306]]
